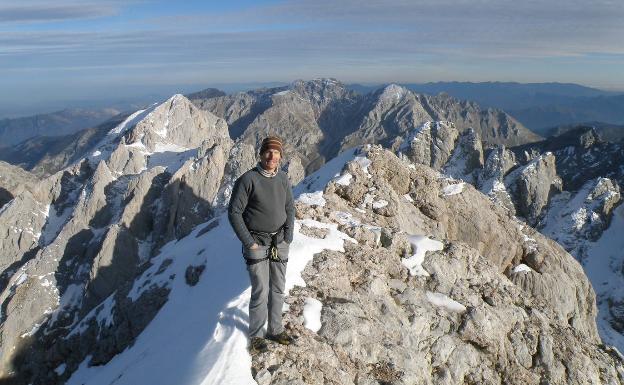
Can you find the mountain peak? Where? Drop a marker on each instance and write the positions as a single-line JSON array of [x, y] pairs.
[[393, 92], [177, 122]]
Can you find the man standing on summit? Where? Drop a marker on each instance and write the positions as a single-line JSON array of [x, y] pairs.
[[262, 213]]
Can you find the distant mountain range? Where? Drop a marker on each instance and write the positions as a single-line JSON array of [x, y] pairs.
[[68, 121], [538, 106], [606, 132], [317, 119], [542, 107]]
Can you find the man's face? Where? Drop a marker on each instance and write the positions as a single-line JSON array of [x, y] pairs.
[[270, 159]]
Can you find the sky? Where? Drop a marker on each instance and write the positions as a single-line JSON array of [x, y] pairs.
[[55, 53]]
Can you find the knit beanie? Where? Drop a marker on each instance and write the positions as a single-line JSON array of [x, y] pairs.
[[271, 143]]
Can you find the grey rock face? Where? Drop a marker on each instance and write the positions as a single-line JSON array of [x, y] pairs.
[[467, 158], [295, 170], [14, 180], [193, 189], [432, 144], [20, 233], [238, 110], [533, 185], [490, 180], [472, 318], [177, 122], [242, 158]]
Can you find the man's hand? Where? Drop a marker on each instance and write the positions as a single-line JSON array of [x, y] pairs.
[[254, 246]]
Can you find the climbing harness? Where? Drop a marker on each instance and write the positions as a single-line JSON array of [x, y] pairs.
[[272, 252]]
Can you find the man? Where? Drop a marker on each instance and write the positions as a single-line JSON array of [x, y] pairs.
[[262, 214]]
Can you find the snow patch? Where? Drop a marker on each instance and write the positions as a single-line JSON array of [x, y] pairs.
[[420, 245], [344, 179], [380, 203], [312, 199], [312, 314], [442, 300], [453, 189], [364, 162], [521, 268]]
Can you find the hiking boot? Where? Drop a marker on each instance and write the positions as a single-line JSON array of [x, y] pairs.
[[258, 345], [282, 338]]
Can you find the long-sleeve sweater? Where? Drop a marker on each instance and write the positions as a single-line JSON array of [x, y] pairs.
[[261, 203]]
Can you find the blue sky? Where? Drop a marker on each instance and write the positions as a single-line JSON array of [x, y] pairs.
[[60, 52]]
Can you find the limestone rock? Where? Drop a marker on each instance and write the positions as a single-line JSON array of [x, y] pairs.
[[14, 180], [295, 170], [474, 318], [177, 122], [532, 186], [193, 189]]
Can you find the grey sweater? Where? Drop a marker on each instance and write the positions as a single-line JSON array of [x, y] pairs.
[[261, 203]]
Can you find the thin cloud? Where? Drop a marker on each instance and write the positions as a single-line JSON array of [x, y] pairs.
[[41, 12]]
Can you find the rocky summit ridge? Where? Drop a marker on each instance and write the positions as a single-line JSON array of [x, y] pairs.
[[425, 293], [436, 279], [320, 118]]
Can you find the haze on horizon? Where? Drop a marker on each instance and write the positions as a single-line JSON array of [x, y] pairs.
[[54, 53]]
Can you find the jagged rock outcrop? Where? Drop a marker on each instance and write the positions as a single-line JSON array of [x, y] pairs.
[[577, 218], [193, 188], [239, 109], [295, 170], [490, 180], [507, 306], [533, 185], [431, 144], [14, 180]]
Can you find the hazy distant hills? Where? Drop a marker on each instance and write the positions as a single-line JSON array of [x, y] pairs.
[[538, 106], [607, 132], [68, 121], [608, 109], [43, 155]]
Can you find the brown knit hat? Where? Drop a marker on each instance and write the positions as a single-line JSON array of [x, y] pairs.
[[271, 143]]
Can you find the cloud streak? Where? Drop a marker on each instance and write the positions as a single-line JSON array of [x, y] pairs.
[[38, 12]]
